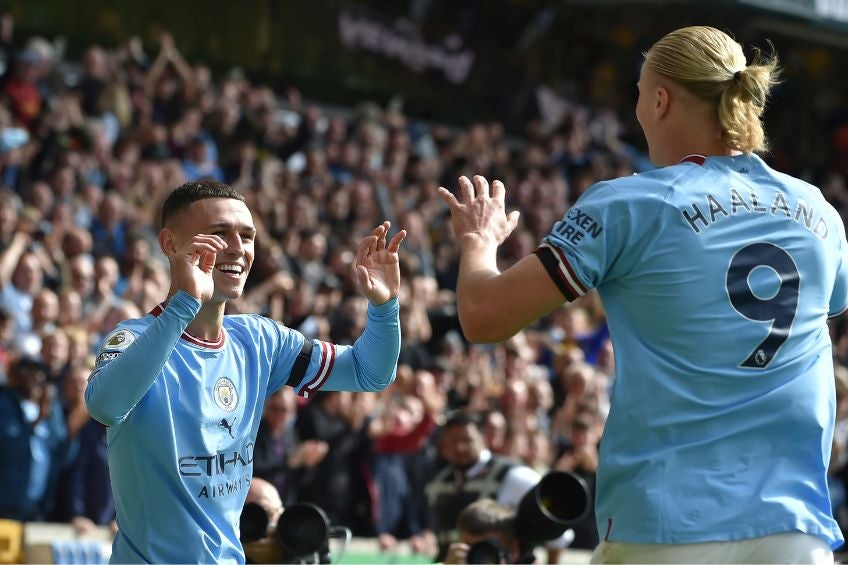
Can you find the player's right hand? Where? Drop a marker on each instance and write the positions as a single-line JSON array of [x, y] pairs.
[[193, 265], [479, 215]]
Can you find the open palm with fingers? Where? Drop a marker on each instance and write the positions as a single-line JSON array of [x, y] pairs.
[[377, 266], [479, 215]]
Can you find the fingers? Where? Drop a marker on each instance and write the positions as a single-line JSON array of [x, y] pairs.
[[382, 228], [469, 191], [466, 189], [198, 248], [498, 190], [512, 220], [201, 244], [366, 247], [377, 241], [213, 239], [381, 234], [207, 261], [394, 244], [482, 186], [448, 197]]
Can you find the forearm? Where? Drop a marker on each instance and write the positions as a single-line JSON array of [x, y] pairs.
[[373, 357], [477, 291], [155, 71], [493, 306], [375, 352], [116, 388], [367, 366], [405, 442], [9, 259]]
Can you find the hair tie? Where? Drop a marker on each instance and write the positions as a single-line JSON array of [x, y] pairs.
[[737, 76]]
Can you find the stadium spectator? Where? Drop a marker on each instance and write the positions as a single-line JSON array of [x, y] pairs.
[[224, 368], [336, 482], [20, 89], [674, 254], [32, 432], [45, 310], [56, 354], [580, 456], [84, 494], [21, 278], [279, 456], [403, 422]]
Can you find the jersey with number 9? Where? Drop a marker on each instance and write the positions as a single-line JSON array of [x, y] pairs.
[[717, 276]]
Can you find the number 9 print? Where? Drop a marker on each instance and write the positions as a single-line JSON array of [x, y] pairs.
[[779, 309]]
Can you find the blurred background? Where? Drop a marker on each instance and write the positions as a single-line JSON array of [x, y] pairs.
[[330, 116]]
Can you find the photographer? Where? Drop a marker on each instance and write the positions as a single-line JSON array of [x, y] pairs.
[[474, 473], [300, 533], [258, 523], [487, 534]]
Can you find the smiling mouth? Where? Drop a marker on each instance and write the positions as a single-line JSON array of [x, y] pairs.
[[232, 271]]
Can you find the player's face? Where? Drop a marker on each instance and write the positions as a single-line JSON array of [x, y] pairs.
[[230, 220]]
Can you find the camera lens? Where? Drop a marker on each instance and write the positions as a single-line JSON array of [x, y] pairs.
[[253, 523], [486, 551], [302, 529]]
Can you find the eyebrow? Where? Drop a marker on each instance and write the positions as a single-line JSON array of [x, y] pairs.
[[230, 226]]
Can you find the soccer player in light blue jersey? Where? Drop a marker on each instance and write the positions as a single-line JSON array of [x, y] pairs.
[[182, 389], [718, 275]]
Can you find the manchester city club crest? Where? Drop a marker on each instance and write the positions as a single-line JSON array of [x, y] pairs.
[[225, 394]]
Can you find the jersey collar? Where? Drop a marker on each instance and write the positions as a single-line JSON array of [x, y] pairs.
[[694, 158], [205, 343]]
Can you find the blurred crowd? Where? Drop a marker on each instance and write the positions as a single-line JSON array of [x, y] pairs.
[[89, 150]]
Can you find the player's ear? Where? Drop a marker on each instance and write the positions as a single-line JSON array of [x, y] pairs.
[[662, 99], [167, 241]]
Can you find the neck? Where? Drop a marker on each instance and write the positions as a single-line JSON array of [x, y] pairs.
[[690, 130], [677, 154], [208, 322]]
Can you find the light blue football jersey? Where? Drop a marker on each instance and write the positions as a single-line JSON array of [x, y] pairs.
[[183, 415], [717, 276]]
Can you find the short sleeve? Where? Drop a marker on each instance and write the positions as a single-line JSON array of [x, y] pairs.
[[597, 239], [839, 295]]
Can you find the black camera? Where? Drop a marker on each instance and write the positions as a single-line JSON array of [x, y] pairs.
[[302, 535], [489, 550], [303, 531], [558, 501]]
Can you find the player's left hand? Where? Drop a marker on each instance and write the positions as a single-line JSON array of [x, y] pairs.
[[377, 266]]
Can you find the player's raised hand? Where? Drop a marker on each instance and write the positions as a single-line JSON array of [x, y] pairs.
[[193, 264], [477, 216], [377, 266]]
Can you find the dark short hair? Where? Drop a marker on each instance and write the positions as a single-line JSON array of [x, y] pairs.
[[184, 195], [27, 363], [462, 418], [485, 516]]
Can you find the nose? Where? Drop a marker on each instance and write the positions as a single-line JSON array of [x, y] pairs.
[[235, 246]]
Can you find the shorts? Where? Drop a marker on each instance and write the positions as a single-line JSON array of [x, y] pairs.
[[788, 547]]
